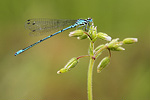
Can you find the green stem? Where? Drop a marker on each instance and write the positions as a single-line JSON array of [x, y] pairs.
[[90, 70], [82, 56]]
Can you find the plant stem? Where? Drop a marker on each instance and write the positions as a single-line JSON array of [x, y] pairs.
[[82, 56], [90, 70]]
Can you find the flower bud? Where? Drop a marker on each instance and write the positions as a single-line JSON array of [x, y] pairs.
[[92, 32], [91, 28], [129, 40], [103, 36], [63, 70], [118, 44], [112, 43], [118, 49], [99, 47], [104, 62], [84, 36], [72, 63], [76, 33]]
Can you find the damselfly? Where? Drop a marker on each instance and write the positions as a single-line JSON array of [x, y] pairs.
[[38, 26]]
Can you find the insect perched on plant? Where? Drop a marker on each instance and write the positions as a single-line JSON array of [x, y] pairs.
[[38, 26]]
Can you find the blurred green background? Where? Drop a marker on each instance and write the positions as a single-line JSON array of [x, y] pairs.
[[32, 75]]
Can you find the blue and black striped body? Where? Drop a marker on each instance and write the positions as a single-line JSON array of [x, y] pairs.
[[79, 22]]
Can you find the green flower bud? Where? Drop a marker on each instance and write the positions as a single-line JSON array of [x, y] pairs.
[[63, 70], [72, 63], [129, 40], [76, 33], [117, 49], [84, 36], [99, 47], [103, 36], [104, 62], [91, 29], [118, 44], [120, 49], [92, 32], [115, 46], [112, 43]]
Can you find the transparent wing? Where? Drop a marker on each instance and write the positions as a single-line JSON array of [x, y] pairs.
[[39, 26]]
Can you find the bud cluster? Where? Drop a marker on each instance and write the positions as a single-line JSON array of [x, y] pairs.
[[93, 35], [114, 45]]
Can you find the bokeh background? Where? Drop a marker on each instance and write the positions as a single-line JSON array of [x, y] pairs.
[[32, 75]]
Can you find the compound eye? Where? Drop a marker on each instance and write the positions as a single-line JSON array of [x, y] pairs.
[[89, 18]]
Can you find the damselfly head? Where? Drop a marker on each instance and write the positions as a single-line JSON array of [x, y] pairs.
[[90, 20]]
